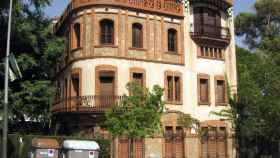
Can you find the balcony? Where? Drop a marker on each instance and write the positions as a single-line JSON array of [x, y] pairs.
[[221, 4], [166, 7], [86, 104], [210, 34]]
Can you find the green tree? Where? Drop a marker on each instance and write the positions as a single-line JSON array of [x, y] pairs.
[[138, 115], [254, 111], [36, 50], [258, 103]]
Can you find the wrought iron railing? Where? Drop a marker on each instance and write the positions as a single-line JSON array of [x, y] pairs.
[[86, 104]]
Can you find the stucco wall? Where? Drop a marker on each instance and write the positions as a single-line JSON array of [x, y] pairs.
[[155, 76]]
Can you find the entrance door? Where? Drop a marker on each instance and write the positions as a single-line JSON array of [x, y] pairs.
[[107, 88]]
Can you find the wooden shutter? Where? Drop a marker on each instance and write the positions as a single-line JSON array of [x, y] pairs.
[[175, 42], [107, 32], [218, 24], [110, 33], [209, 21], [204, 98], [214, 143], [123, 148], [137, 35], [139, 148], [107, 88], [170, 88], [172, 40], [220, 91], [221, 143], [204, 146], [177, 88], [198, 20], [179, 143], [212, 146], [168, 142]]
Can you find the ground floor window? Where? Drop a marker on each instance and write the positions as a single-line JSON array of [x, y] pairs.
[[213, 142], [174, 142], [124, 148]]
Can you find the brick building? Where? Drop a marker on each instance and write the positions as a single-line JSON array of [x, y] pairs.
[[186, 47]]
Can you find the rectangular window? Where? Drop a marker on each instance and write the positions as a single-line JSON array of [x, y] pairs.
[[210, 52], [174, 142], [220, 92], [214, 142], [203, 89], [107, 32], [107, 88], [138, 78], [172, 40], [106, 83], [137, 35], [173, 88]]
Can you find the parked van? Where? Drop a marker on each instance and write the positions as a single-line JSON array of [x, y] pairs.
[[80, 149], [44, 148]]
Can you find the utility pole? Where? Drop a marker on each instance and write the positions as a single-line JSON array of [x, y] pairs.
[[5, 113]]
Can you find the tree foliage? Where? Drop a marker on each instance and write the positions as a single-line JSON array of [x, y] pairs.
[[138, 114], [36, 50], [257, 107]]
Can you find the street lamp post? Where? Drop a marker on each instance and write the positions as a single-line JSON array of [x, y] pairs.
[[5, 113]]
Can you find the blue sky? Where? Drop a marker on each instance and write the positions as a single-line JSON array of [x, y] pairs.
[[58, 6]]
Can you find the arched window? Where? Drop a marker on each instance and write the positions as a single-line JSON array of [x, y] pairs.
[[172, 40], [107, 32], [77, 35], [137, 35]]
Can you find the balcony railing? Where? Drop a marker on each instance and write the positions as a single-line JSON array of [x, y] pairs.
[[172, 7], [210, 31], [89, 104]]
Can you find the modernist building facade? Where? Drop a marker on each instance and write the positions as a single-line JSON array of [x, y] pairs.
[[187, 48]]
